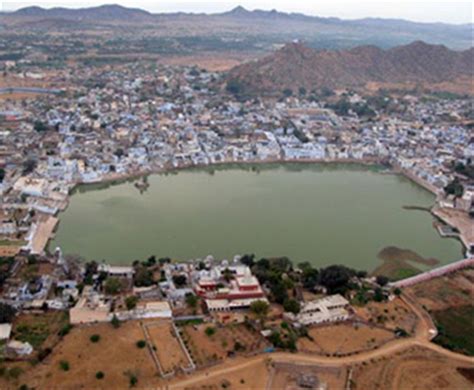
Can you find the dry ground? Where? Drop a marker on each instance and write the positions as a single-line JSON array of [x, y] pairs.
[[115, 354], [343, 339], [168, 349], [284, 376], [390, 315], [416, 368], [249, 378], [210, 349], [455, 289]]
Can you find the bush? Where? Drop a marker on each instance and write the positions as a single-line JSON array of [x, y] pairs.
[[210, 331], [141, 344], [95, 338], [15, 372], [292, 306], [131, 302], [64, 365], [99, 375], [7, 313], [115, 322], [65, 330]]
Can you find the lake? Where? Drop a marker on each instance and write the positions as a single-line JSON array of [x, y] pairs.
[[321, 213]]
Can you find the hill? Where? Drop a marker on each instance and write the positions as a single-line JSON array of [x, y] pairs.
[[102, 13], [298, 66], [259, 30]]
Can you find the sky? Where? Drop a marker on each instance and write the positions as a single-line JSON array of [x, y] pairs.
[[421, 11]]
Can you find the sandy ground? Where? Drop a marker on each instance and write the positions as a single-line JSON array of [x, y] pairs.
[[343, 339], [455, 289], [115, 354], [416, 368], [208, 349], [390, 315], [168, 349], [285, 376], [252, 377], [44, 232]]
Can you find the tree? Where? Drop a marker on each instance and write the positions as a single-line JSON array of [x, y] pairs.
[[64, 365], [7, 313], [335, 278], [260, 309], [143, 277], [2, 175], [382, 280], [248, 260], [40, 126], [292, 306], [179, 280], [131, 302], [287, 92], [141, 344], [454, 188], [115, 322], [191, 300], [95, 338], [113, 286], [99, 375], [210, 331], [278, 291]]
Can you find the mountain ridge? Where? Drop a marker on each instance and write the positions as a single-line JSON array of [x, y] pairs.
[[297, 66]]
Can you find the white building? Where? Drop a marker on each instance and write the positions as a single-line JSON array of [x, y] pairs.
[[328, 309]]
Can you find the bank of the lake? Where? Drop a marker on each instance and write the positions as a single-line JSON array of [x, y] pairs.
[[322, 213]]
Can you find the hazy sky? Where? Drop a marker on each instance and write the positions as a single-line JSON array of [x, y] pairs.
[[424, 11]]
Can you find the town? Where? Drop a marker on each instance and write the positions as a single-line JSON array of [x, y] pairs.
[[178, 317]]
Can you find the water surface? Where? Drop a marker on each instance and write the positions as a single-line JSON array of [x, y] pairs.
[[323, 214]]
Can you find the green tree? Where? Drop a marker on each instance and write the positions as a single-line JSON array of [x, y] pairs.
[[7, 313], [260, 309], [115, 322], [191, 300], [292, 306], [131, 302], [113, 286]]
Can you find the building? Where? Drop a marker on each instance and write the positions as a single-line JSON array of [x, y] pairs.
[[19, 348], [117, 271], [328, 309], [5, 331]]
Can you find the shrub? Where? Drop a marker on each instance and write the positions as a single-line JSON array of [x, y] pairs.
[[210, 331], [64, 365], [95, 338], [99, 375], [131, 302], [15, 372], [115, 322], [141, 344], [65, 330]]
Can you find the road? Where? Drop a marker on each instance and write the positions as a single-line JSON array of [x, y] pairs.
[[423, 334]]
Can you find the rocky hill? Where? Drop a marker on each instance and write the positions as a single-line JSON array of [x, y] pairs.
[[296, 66]]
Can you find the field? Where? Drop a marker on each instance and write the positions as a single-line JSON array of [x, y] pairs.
[[40, 330], [207, 349], [449, 300], [456, 328], [416, 368], [167, 347], [253, 377], [115, 354], [343, 339], [390, 315], [456, 289]]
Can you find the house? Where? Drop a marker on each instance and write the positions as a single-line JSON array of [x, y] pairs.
[[19, 348], [117, 271], [328, 309], [5, 331]]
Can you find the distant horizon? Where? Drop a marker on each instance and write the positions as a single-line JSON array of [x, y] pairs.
[[455, 13]]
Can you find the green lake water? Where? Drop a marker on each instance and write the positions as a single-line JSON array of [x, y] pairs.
[[324, 214]]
